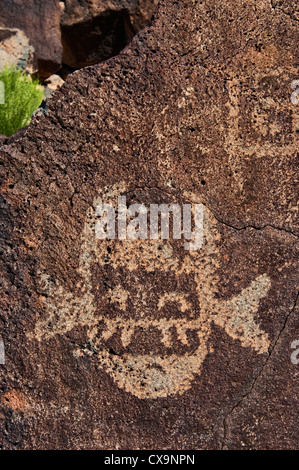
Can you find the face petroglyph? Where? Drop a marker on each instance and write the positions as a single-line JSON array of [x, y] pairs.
[[156, 302]]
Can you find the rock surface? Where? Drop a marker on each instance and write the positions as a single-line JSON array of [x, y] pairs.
[[40, 21], [15, 50], [141, 344], [52, 84]]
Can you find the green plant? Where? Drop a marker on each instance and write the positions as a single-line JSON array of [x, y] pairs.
[[22, 96]]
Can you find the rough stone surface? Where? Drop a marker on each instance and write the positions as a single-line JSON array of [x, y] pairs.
[[142, 344], [40, 21]]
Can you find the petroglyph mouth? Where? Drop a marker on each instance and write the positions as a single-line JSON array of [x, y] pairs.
[[149, 307], [150, 376]]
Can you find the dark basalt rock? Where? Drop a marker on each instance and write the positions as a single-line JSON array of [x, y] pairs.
[[95, 31], [142, 344]]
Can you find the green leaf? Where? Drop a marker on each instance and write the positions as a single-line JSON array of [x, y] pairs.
[[23, 94]]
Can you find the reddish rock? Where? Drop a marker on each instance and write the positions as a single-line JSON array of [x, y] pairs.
[[142, 344], [40, 21]]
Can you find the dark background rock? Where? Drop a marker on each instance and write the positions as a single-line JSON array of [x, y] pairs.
[[40, 21], [197, 108], [95, 31], [74, 34]]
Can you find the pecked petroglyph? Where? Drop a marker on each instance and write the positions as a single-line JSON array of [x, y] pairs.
[[130, 303]]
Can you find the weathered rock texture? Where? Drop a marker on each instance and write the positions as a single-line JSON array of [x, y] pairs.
[[142, 344], [52, 84]]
